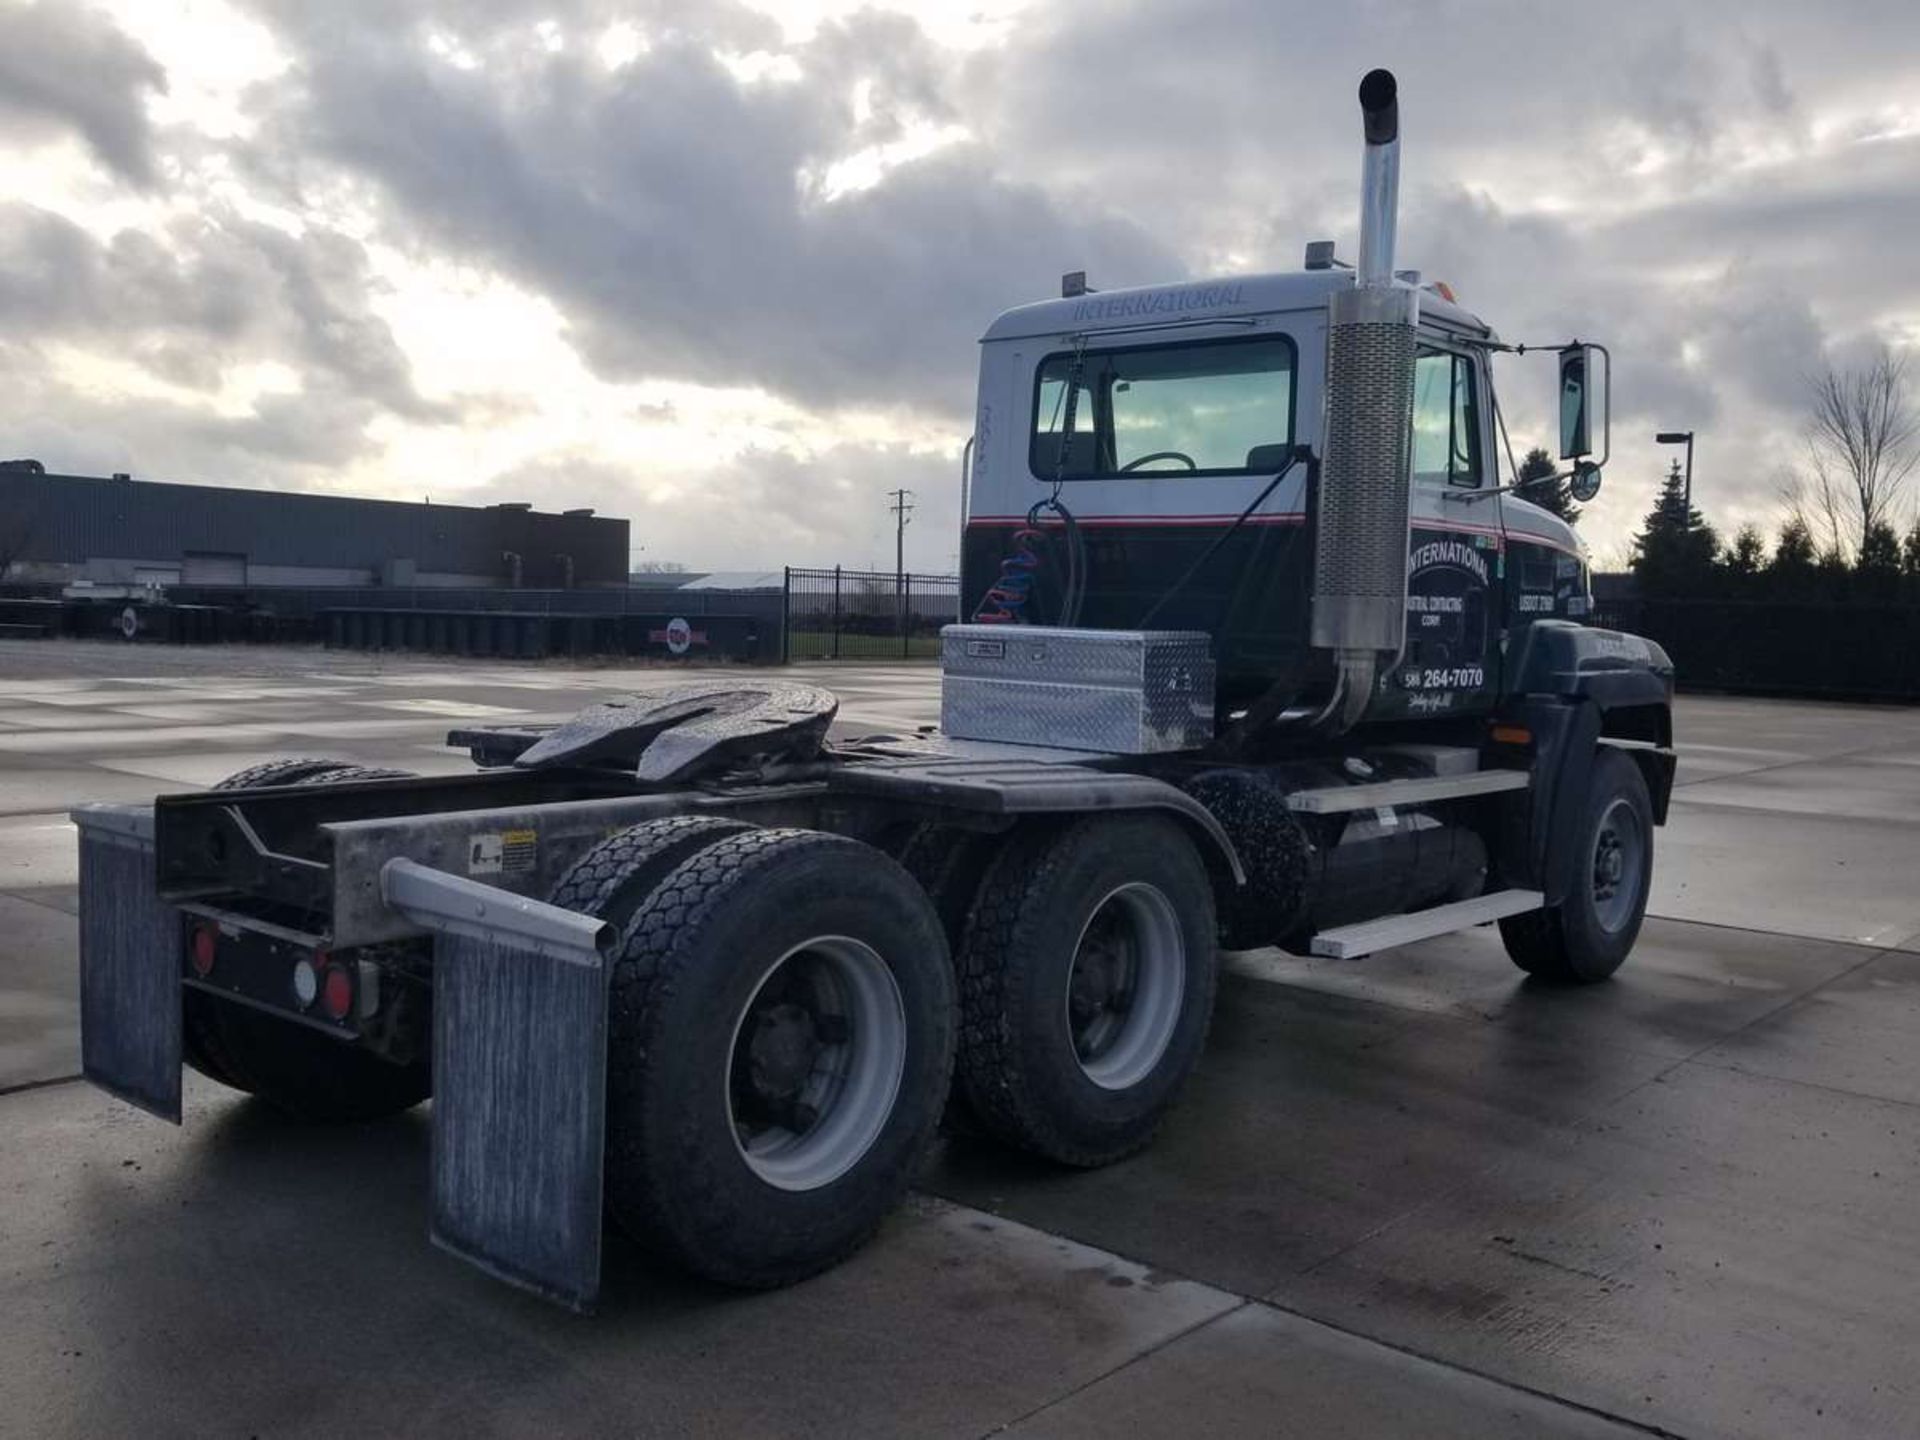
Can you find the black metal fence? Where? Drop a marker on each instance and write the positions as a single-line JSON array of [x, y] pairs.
[[842, 614], [1830, 650]]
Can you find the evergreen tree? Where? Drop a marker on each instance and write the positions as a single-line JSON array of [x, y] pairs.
[[1745, 558], [1877, 572], [1553, 497], [1832, 575], [1673, 553], [1910, 552], [1794, 550], [1790, 572]]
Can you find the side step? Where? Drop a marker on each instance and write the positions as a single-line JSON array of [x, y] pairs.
[[1350, 942], [1336, 799]]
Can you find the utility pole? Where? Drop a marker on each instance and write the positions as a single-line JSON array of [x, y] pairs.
[[901, 509]]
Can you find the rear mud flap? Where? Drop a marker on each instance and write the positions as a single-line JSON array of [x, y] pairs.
[[519, 1081], [129, 963]]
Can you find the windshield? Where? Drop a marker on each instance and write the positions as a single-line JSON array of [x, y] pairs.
[[1218, 407]]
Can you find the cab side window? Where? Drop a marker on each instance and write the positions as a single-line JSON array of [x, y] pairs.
[[1446, 420]]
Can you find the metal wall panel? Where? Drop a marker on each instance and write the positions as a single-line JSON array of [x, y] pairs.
[[73, 517]]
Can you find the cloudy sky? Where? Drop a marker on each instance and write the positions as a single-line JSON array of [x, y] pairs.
[[720, 266]]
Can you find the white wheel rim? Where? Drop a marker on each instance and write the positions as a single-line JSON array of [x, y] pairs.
[[815, 1063], [1126, 986], [1619, 858]]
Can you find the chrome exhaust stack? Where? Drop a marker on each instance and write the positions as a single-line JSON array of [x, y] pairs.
[[1360, 547], [1379, 177]]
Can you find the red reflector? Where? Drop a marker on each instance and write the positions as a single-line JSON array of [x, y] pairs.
[[206, 939], [336, 992]]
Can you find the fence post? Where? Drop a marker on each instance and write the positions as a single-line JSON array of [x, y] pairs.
[[906, 615], [786, 615], [836, 612]]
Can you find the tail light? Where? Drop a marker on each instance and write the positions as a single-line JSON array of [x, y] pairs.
[[336, 991], [202, 947]]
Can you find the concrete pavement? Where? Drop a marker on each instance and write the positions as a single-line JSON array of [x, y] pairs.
[[1409, 1195]]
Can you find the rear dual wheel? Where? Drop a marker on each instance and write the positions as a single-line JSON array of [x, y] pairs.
[[1087, 981], [780, 1041]]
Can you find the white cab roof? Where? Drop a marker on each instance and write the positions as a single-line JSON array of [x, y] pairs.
[[1200, 301]]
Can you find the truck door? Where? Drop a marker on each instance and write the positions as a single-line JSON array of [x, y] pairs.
[[1453, 551]]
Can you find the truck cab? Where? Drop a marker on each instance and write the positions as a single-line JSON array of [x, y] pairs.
[[1189, 400]]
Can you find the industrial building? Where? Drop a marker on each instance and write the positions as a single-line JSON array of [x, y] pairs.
[[89, 530]]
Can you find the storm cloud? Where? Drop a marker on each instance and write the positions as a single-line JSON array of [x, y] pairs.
[[825, 217], [66, 68]]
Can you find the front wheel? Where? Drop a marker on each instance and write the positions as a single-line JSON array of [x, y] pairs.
[[1589, 933]]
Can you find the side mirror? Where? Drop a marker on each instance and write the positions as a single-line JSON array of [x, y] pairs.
[[1584, 402], [1584, 483]]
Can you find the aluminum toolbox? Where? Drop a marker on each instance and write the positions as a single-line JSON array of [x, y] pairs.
[[1121, 692]]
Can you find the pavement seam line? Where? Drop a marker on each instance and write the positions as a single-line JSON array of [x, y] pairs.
[[1131, 1360], [1640, 1426], [1858, 750], [1778, 934], [1806, 1084], [25, 1085], [1644, 1427], [1768, 1014]]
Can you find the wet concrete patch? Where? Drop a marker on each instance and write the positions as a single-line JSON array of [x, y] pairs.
[[1813, 875], [1312, 1121], [1844, 789], [39, 993], [1684, 987], [1860, 1033], [246, 1276], [1718, 1254], [38, 850], [1262, 1372], [26, 790]]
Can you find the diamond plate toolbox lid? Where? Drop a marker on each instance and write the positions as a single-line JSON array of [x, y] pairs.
[[1126, 692]]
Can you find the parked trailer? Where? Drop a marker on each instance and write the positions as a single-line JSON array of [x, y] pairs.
[[687, 961]]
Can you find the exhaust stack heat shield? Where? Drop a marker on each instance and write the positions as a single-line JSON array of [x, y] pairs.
[[1360, 552]]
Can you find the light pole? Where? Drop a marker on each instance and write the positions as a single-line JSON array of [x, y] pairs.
[[1681, 437]]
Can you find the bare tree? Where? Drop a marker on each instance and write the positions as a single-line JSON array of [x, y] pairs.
[[1863, 443]]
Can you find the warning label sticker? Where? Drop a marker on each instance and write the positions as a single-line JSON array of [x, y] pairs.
[[503, 852]]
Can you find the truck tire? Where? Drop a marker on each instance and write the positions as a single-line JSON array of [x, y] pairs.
[[949, 863], [780, 1045], [1086, 986], [281, 772], [307, 1075], [294, 1070], [1586, 937], [613, 878]]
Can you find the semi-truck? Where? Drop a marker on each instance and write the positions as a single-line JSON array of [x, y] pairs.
[[1257, 649]]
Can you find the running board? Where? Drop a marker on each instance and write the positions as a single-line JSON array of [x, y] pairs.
[[1350, 942], [1338, 799]]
